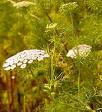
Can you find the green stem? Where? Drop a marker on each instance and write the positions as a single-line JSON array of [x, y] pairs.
[[78, 86], [71, 18], [24, 109], [52, 69]]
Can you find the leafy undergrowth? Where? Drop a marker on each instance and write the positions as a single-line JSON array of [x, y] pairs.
[[69, 79]]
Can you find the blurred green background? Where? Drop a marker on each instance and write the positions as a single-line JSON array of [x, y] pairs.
[[57, 83]]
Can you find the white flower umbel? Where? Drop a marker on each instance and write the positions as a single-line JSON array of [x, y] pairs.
[[80, 50], [21, 4], [22, 58]]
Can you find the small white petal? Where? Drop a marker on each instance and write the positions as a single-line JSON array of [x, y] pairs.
[[40, 58], [5, 65], [19, 63], [7, 68], [11, 62], [22, 55], [24, 61], [13, 66], [71, 53], [46, 55], [9, 59], [21, 59], [33, 57], [30, 61], [15, 60], [23, 66]]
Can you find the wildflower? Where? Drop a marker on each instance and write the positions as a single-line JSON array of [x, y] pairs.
[[80, 50], [22, 58], [51, 26], [68, 6], [21, 4]]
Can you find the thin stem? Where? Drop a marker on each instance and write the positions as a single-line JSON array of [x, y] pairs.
[[48, 17], [24, 109], [52, 55], [71, 18], [52, 69], [78, 86], [9, 92]]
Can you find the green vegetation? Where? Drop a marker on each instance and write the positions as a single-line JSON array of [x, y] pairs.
[[58, 83]]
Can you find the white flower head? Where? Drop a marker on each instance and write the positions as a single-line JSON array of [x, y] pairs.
[[22, 58], [68, 6], [80, 50], [21, 4]]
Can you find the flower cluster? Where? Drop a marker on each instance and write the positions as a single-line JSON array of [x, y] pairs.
[[22, 58], [51, 26], [21, 4], [69, 6], [80, 50]]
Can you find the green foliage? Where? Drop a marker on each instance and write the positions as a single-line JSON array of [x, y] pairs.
[[58, 83]]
